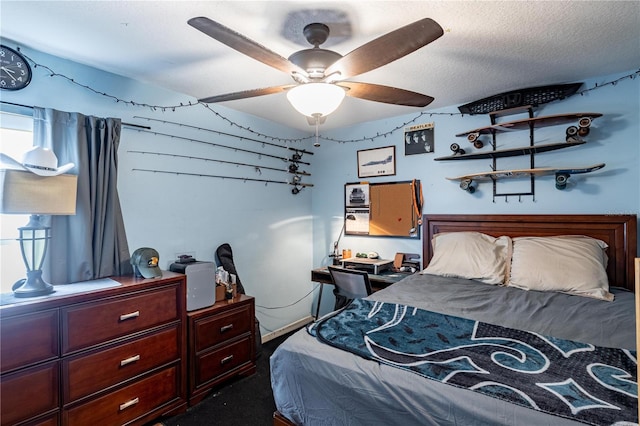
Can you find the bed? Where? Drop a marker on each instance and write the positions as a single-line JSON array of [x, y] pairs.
[[318, 380]]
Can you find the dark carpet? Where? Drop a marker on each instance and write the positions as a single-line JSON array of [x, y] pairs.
[[246, 401]]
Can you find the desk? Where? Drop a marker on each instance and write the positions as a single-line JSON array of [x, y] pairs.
[[378, 282]]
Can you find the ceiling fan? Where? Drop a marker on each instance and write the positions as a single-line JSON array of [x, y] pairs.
[[326, 69]]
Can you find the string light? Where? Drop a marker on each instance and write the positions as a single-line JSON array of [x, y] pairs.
[[389, 132], [378, 135], [163, 108], [248, 129], [610, 83], [631, 76]]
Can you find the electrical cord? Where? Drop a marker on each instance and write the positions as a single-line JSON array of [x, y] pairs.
[[291, 304]]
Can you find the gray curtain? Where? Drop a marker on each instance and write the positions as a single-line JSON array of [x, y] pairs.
[[91, 244]]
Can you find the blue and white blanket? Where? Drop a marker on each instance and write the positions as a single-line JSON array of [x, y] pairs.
[[583, 382]]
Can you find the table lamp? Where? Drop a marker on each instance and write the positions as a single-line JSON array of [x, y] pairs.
[[24, 192], [336, 254]]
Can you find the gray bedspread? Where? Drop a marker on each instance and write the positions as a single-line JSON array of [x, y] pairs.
[[316, 384]]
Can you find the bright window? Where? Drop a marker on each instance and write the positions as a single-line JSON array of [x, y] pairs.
[[16, 137]]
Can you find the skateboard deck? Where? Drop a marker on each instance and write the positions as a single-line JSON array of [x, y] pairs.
[[562, 175], [512, 152], [525, 123]]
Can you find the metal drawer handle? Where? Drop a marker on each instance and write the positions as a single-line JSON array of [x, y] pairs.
[[129, 360], [128, 404], [226, 359], [124, 317], [226, 328]]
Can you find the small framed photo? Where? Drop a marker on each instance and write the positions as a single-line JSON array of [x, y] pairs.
[[356, 195], [377, 162], [419, 139]]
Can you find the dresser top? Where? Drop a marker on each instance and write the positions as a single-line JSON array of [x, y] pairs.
[[65, 294]]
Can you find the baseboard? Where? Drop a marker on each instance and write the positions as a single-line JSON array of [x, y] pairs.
[[287, 328]]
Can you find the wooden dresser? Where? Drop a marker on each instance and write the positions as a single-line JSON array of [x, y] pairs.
[[115, 355], [221, 344]]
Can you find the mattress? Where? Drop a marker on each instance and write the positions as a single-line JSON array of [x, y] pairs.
[[316, 384]]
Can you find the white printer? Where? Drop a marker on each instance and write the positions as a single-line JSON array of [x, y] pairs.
[[201, 283]]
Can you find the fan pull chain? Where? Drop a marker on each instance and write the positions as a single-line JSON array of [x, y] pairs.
[[317, 143]]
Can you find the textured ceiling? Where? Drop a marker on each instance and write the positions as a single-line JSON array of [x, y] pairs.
[[487, 48]]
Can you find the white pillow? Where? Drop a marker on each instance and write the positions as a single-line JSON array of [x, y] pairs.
[[568, 264], [470, 255]]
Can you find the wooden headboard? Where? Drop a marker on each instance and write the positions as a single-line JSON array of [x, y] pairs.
[[618, 231]]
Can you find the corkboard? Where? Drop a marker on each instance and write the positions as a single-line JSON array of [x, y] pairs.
[[392, 212]]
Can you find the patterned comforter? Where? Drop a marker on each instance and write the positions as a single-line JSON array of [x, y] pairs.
[[591, 384]]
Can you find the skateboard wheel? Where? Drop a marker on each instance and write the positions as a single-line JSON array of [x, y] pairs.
[[478, 144], [466, 185], [584, 122], [454, 147], [471, 137], [572, 131], [561, 181], [583, 131], [471, 189]]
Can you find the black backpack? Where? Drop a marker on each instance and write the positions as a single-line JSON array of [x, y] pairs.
[[224, 258]]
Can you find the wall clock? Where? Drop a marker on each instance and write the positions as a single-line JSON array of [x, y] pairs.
[[15, 72]]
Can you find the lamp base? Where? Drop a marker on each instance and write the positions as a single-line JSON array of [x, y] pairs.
[[32, 286]]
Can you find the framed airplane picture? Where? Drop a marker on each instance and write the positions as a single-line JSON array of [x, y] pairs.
[[377, 162]]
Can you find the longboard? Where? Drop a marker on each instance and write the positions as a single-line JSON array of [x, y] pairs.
[[512, 152], [562, 175], [583, 118]]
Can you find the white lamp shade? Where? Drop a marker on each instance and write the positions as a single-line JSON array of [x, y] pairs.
[[23, 192], [316, 99]]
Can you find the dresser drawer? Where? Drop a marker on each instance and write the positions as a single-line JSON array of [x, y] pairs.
[[218, 328], [215, 363], [50, 420], [93, 323], [28, 339], [129, 403], [29, 392], [119, 363]]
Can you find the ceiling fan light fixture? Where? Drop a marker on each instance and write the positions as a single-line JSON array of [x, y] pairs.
[[316, 99]]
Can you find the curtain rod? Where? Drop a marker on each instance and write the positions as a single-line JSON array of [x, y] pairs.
[[31, 107]]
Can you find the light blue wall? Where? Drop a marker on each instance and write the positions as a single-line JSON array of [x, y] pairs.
[[277, 237], [614, 140], [269, 228]]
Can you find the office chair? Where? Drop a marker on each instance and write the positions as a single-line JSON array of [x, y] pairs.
[[349, 284]]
